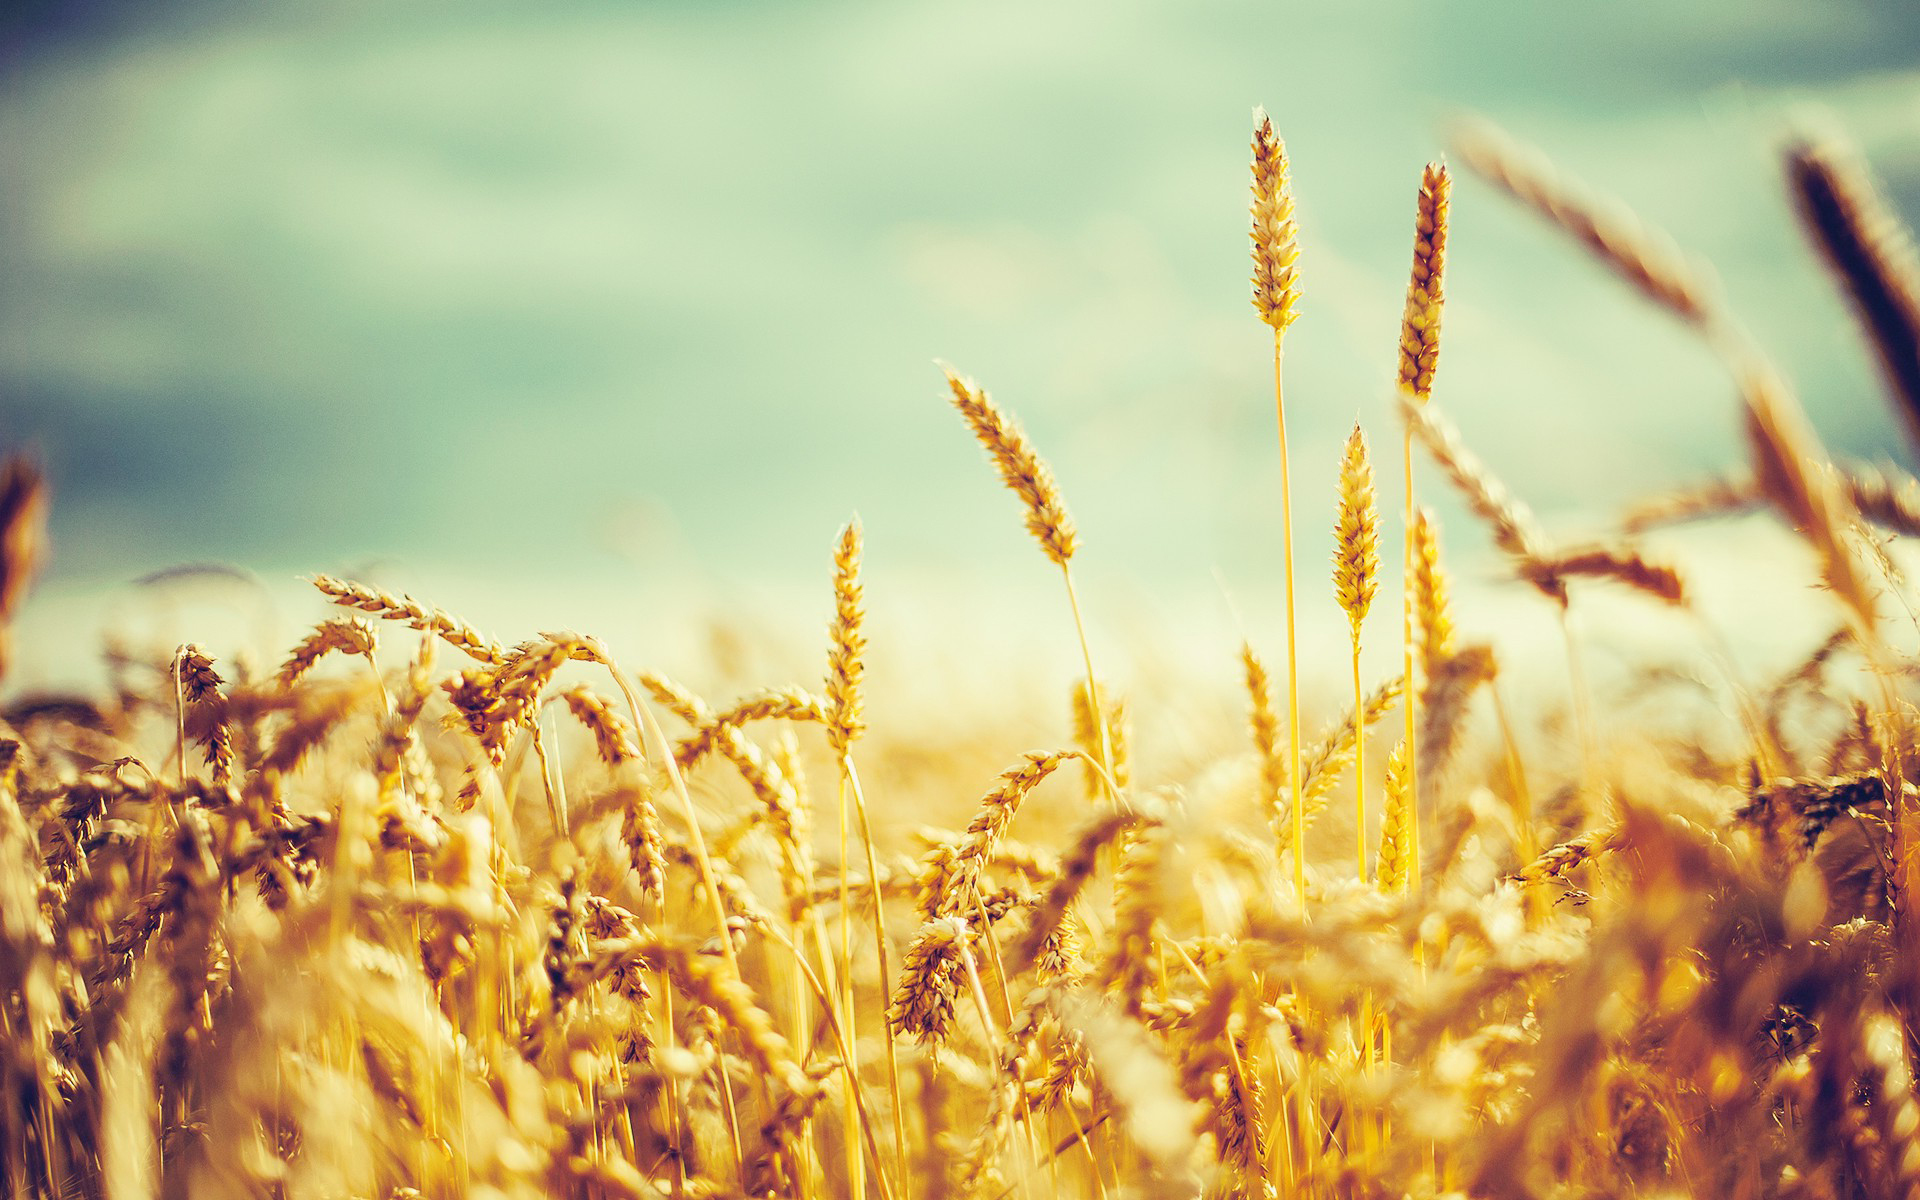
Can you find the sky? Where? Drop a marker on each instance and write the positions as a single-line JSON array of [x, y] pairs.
[[651, 294]]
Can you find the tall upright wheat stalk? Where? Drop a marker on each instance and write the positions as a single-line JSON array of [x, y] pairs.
[[1276, 295], [1419, 359]]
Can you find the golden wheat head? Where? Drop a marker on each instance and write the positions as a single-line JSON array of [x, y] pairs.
[[1426, 296], [1020, 467], [845, 667], [1276, 248], [1356, 534]]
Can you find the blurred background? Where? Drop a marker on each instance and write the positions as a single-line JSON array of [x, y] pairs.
[[607, 314]]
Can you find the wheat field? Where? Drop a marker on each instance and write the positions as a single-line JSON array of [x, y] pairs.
[[414, 912]]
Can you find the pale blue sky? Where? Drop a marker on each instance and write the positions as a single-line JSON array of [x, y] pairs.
[[612, 286]]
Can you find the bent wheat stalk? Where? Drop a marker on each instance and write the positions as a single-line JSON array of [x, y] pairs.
[[1027, 474]]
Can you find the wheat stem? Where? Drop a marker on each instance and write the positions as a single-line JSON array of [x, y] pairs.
[[1293, 655], [880, 954]]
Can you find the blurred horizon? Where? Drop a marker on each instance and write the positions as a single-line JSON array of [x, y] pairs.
[[652, 292]]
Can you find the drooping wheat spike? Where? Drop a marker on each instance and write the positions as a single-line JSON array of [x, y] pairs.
[[1027, 474], [613, 736], [1275, 296], [776, 785], [1396, 826], [1645, 258], [960, 881], [845, 665], [1426, 295], [1356, 563], [23, 534], [335, 635], [929, 980], [1569, 854], [200, 689], [640, 830], [1020, 467], [389, 607], [1717, 497], [1276, 248], [496, 704], [1871, 252], [1621, 564], [1514, 529], [771, 704]]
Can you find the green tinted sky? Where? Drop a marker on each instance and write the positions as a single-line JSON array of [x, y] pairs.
[[302, 286]]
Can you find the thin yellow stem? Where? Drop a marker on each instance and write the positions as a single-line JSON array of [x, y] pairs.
[[985, 926], [1093, 692], [678, 785], [642, 720], [1411, 704], [1301, 1094], [1582, 699], [864, 1112], [886, 981], [1293, 655], [856, 1185], [1359, 762], [1364, 1042]]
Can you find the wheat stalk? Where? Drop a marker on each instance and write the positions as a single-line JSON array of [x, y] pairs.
[[1356, 563], [845, 669], [1027, 474], [1420, 322], [1276, 297]]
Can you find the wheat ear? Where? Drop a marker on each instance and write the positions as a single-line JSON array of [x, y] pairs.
[[389, 607], [335, 635], [1020, 467], [1643, 257], [1356, 564]]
